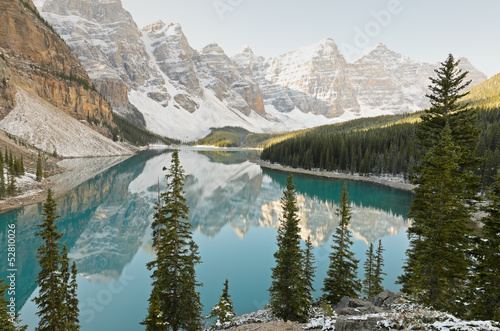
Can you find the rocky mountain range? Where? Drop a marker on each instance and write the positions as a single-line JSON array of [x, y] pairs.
[[46, 97], [154, 77]]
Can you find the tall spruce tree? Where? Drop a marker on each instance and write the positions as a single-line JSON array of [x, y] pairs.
[[72, 302], [64, 292], [486, 276], [223, 311], [341, 277], [438, 259], [21, 165], [379, 264], [309, 270], [370, 266], [174, 303], [288, 289], [39, 171], [11, 182], [49, 300]]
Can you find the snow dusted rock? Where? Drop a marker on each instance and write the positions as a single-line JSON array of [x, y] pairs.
[[272, 326], [46, 127], [221, 76], [386, 299], [314, 78], [181, 93], [174, 56], [350, 306], [361, 324], [387, 81], [108, 43]]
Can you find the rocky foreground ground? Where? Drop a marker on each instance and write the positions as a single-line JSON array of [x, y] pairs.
[[386, 311]]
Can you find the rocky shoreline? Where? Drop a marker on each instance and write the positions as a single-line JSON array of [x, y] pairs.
[[65, 174], [320, 173], [386, 311]]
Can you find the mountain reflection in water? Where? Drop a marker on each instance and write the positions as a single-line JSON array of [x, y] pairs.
[[106, 219]]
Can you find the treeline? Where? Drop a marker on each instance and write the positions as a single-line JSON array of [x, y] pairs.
[[225, 137], [13, 167], [135, 134], [229, 136], [388, 149]]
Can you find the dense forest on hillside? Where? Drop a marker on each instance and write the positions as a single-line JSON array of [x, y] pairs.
[[135, 134], [238, 137], [386, 146]]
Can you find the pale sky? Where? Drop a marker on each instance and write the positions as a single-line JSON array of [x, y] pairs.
[[424, 30]]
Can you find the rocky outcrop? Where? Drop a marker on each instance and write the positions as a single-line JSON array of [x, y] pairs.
[[386, 80], [174, 56], [315, 78], [35, 58], [108, 43]]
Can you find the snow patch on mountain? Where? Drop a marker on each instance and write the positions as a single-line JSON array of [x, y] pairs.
[[46, 127], [183, 93]]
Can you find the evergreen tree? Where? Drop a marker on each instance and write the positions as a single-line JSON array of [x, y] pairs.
[[174, 302], [21, 165], [11, 183], [288, 287], [309, 270], [39, 171], [5, 319], [370, 266], [15, 167], [64, 292], [341, 277], [378, 275], [6, 157], [223, 311], [72, 302], [49, 299], [486, 277], [11, 160], [438, 259], [446, 91], [154, 320]]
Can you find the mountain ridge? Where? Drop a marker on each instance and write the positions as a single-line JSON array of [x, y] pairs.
[[306, 87], [39, 72]]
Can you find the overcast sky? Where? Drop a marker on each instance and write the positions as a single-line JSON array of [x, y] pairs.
[[424, 30]]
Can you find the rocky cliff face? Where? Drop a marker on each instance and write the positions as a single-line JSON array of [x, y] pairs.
[[386, 80], [35, 58], [182, 92], [106, 40], [35, 61]]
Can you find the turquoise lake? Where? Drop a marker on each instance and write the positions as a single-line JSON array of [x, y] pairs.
[[234, 210]]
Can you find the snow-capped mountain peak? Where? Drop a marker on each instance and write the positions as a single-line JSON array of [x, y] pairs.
[[245, 49], [155, 27], [182, 92]]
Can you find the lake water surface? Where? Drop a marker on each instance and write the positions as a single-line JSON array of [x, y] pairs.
[[234, 209]]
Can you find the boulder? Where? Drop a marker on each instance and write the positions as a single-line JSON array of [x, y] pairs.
[[350, 306], [386, 299]]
